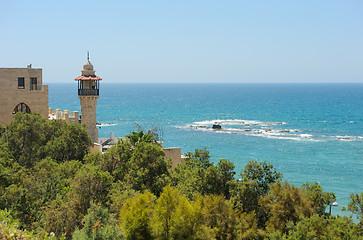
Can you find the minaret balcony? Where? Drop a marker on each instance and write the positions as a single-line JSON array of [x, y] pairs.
[[88, 92]]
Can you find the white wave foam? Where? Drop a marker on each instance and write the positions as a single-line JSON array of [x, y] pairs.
[[290, 134], [295, 138], [306, 135], [106, 124], [262, 129], [240, 122]]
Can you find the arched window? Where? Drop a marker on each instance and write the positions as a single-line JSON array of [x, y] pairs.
[[21, 107]]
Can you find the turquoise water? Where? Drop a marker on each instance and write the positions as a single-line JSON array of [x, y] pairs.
[[309, 132]]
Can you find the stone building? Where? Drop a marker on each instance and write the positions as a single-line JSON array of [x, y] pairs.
[[88, 93], [22, 90]]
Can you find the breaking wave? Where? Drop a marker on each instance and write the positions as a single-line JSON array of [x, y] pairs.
[[234, 122], [257, 128], [106, 124]]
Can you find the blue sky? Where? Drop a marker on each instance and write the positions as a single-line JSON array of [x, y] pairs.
[[186, 41]]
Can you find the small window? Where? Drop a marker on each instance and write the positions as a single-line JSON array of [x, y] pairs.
[[33, 83], [21, 83]]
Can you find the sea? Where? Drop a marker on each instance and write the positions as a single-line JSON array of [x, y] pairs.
[[309, 132]]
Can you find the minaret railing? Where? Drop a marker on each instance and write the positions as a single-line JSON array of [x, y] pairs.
[[88, 92]]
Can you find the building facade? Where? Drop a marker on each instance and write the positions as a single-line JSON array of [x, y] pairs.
[[22, 90]]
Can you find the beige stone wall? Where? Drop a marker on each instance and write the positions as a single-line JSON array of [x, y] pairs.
[[96, 147], [175, 155], [88, 115], [69, 117], [11, 96]]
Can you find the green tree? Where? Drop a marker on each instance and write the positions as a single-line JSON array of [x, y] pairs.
[[140, 136], [64, 214], [226, 174], [10, 229], [21, 203], [356, 205], [319, 198], [200, 158], [244, 196], [172, 216], [285, 203], [262, 174], [188, 176], [318, 227], [66, 142], [247, 227], [116, 160], [187, 180], [92, 184], [142, 166], [98, 225], [217, 179], [254, 184], [119, 193], [164, 211], [219, 216], [10, 171], [30, 138], [28, 192], [26, 136], [136, 216], [197, 175], [148, 168], [2, 129]]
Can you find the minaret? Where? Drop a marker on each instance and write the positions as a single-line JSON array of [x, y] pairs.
[[88, 92]]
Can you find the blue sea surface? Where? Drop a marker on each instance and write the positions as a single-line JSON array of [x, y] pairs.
[[309, 132]]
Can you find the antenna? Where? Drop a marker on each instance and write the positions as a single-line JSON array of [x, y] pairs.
[[88, 56]]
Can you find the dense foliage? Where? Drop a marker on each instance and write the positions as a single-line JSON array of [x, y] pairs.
[[51, 185]]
